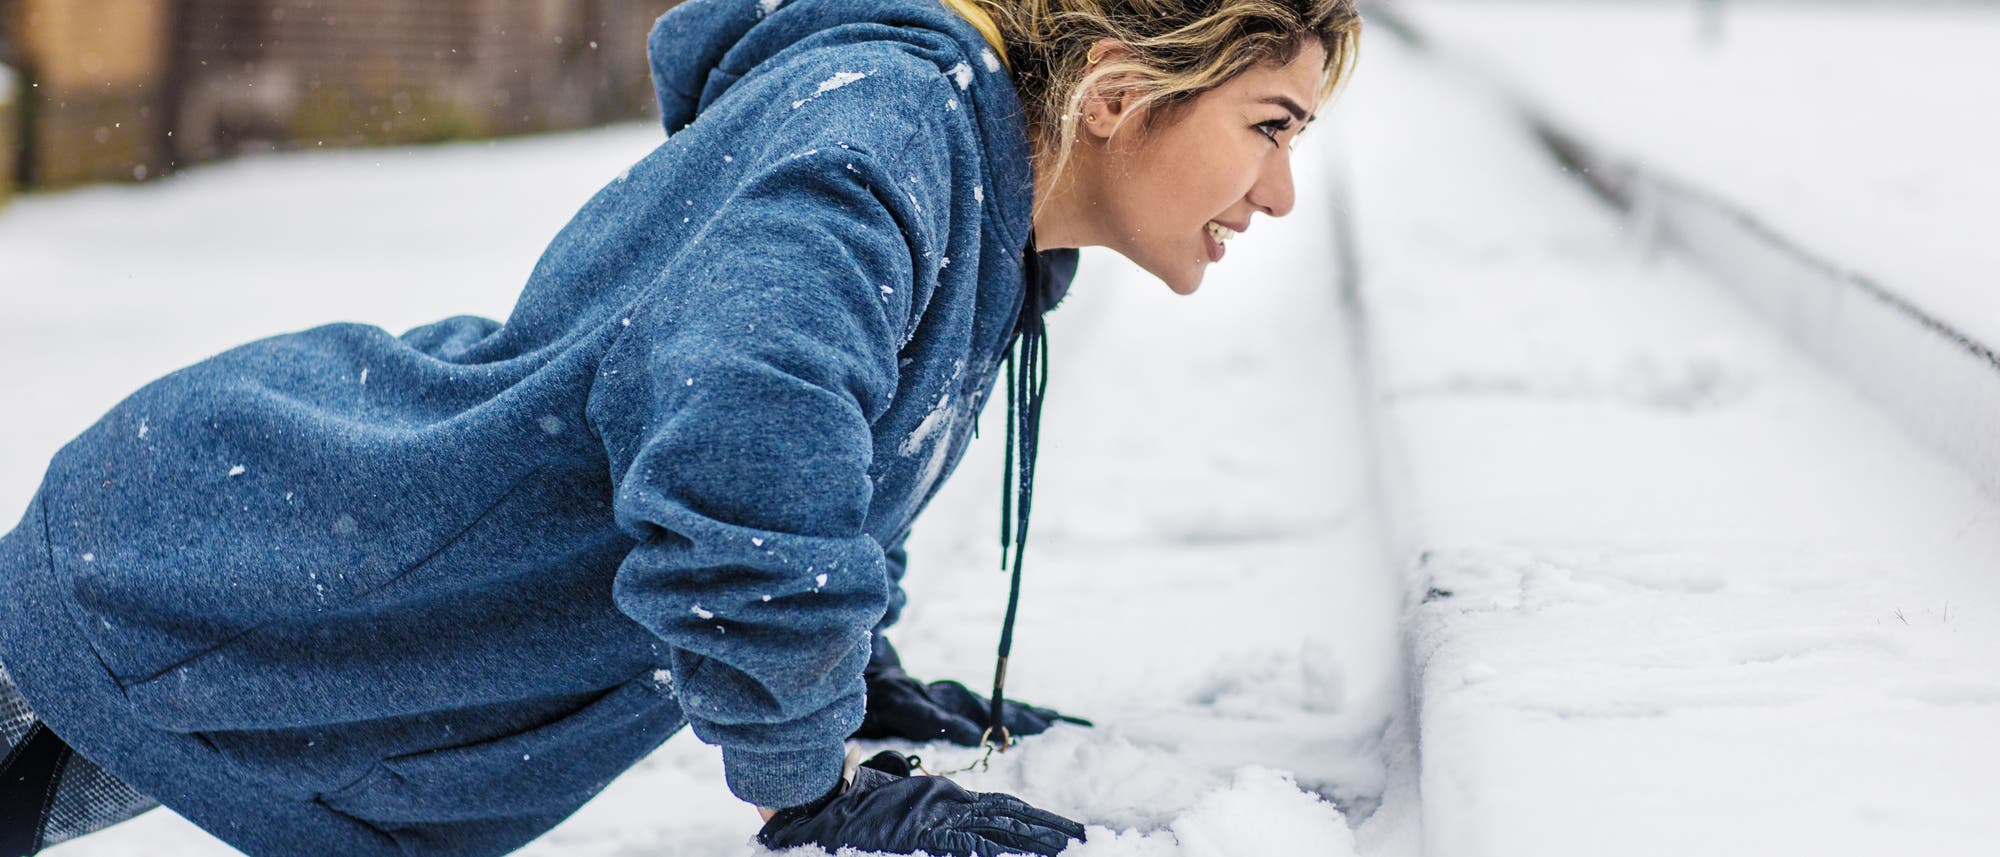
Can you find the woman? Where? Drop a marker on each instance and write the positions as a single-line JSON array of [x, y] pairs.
[[339, 592]]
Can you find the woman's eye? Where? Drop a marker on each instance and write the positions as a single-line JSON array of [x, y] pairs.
[[1273, 128]]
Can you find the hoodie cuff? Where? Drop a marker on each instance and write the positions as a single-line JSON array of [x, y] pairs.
[[782, 778]]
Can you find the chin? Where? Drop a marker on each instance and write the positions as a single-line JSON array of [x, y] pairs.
[[1182, 277], [1186, 280]]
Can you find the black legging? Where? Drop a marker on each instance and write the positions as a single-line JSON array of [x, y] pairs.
[[48, 793]]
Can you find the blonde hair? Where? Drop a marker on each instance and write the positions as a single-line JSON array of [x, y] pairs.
[[1175, 51]]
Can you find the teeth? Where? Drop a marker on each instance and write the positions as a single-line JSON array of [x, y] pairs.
[[1220, 232]]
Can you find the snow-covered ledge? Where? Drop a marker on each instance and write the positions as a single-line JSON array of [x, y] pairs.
[[1935, 378], [1934, 374]]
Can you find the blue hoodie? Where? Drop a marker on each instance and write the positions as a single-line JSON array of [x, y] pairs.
[[343, 592]]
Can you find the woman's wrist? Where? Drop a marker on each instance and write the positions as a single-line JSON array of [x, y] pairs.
[[839, 785]]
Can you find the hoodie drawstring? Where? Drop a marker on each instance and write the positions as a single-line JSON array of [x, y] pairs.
[[1027, 382]]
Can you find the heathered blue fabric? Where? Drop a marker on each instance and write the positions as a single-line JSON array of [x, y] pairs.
[[343, 592]]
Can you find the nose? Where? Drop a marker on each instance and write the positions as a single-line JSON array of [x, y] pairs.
[[1273, 192]]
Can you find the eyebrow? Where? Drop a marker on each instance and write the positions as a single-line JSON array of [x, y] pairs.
[[1290, 105]]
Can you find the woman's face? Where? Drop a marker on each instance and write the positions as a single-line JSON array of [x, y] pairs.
[[1216, 161]]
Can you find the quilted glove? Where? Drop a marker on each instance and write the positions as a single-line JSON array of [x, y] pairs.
[[878, 810], [902, 707]]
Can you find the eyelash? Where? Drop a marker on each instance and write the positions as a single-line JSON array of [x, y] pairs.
[[1276, 126]]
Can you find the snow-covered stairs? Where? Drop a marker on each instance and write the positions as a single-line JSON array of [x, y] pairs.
[[1673, 590]]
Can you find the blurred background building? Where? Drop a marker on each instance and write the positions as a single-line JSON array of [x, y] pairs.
[[123, 90]]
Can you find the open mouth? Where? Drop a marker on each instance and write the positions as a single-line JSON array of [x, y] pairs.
[[1215, 234]]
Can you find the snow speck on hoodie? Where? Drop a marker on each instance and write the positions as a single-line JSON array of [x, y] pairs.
[[838, 80]]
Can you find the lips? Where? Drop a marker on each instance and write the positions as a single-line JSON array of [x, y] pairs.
[[1214, 233]]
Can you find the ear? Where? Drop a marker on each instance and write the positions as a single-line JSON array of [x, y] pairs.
[[1106, 100]]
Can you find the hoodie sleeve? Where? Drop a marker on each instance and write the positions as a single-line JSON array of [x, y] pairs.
[[737, 408]]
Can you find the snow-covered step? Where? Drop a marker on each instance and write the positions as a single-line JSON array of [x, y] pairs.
[[1928, 373], [1874, 268], [1674, 590]]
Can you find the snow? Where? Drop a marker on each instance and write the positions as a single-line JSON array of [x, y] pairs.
[[1205, 579], [962, 74], [1676, 591], [838, 80], [1653, 584], [1927, 372], [1848, 128]]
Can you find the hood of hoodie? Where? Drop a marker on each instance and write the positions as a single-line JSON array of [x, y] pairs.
[[701, 48]]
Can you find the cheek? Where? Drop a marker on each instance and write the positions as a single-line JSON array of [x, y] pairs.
[[1153, 200], [1204, 177], [1179, 181]]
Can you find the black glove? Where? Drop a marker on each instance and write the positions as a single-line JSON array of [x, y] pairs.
[[902, 707], [882, 811]]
